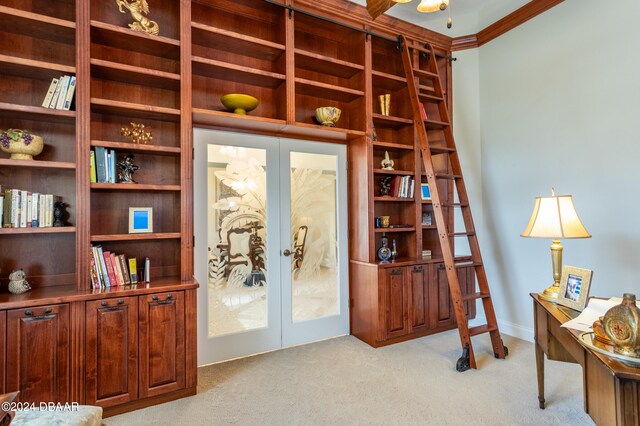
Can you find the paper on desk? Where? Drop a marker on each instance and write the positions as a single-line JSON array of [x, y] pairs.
[[596, 309]]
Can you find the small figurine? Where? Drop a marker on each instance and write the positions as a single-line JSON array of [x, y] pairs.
[[385, 186], [18, 284], [386, 163], [137, 9], [138, 133], [59, 213], [127, 168]]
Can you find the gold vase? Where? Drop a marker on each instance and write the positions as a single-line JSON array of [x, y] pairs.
[[621, 326]]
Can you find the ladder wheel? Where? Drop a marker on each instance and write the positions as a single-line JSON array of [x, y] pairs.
[[464, 362], [506, 352], [462, 365]]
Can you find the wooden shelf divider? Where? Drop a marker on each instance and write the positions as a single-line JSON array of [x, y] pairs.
[[37, 164], [133, 187], [135, 237], [130, 146], [48, 230]]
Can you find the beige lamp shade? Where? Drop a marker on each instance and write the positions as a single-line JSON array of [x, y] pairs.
[[432, 5], [555, 217]]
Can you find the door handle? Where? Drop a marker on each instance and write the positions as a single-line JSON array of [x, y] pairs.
[[287, 252]]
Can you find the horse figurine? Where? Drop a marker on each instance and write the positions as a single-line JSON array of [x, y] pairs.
[[139, 8]]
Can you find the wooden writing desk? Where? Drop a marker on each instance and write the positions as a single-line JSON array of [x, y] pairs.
[[611, 388]]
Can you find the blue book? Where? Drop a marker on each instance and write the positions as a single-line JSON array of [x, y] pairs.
[[101, 167], [113, 166]]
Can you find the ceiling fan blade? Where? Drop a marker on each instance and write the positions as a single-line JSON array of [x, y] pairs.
[[378, 7]]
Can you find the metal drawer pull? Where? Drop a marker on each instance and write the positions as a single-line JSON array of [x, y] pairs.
[[28, 313], [169, 296], [120, 301], [104, 303], [165, 302], [48, 311], [154, 298]]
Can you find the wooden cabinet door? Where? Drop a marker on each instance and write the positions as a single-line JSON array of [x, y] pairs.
[[442, 314], [394, 303], [38, 361], [112, 351], [162, 349], [418, 298]]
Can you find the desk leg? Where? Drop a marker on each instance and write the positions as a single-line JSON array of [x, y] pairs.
[[540, 370]]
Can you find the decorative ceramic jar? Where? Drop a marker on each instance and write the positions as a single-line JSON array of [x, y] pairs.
[[384, 252], [21, 144], [621, 326], [328, 116]]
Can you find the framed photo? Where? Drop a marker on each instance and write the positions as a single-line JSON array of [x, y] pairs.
[[140, 220], [574, 287], [425, 191]]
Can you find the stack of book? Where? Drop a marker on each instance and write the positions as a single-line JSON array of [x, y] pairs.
[[402, 187], [111, 270], [103, 165], [26, 209], [60, 93]]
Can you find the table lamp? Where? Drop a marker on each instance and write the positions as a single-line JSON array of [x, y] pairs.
[[555, 217]]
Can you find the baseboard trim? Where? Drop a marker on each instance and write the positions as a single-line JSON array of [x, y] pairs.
[[509, 328]]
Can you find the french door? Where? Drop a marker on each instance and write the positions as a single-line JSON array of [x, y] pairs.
[[270, 220]]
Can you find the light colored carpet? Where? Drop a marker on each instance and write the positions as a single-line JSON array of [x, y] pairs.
[[344, 381]]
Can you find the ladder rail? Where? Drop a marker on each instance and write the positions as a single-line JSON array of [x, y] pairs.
[[445, 243], [491, 327]]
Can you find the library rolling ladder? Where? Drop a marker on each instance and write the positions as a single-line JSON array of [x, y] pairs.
[[437, 96]]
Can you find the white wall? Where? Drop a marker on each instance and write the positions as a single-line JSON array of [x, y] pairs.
[[559, 103]]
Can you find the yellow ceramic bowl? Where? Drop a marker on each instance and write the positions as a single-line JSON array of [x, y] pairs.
[[328, 116], [239, 103]]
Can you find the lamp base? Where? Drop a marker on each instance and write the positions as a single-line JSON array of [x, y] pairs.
[[550, 294]]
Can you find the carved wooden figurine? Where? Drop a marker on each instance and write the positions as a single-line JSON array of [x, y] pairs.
[[386, 163]]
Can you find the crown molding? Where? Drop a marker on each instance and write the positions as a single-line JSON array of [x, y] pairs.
[[509, 22]]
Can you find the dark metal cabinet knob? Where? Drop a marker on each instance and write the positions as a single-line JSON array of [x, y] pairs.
[[28, 313], [104, 303], [154, 298], [169, 296], [120, 301], [48, 311]]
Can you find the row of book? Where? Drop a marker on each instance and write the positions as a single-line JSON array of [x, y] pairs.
[[26, 209], [402, 187], [60, 93], [111, 270], [103, 165]]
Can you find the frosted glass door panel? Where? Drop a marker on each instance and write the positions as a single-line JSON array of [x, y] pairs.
[[237, 238], [314, 272]]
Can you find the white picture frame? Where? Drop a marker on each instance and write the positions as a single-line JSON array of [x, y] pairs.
[[140, 220]]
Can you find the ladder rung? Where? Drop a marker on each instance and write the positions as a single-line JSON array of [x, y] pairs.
[[454, 205], [441, 149], [430, 98], [468, 264], [423, 73], [486, 328], [461, 234], [447, 176], [475, 296], [434, 124]]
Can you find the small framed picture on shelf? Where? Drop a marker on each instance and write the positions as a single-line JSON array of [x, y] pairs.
[[426, 218], [140, 220], [574, 287], [425, 191]]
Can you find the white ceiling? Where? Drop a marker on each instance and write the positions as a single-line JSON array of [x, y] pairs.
[[469, 16]]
